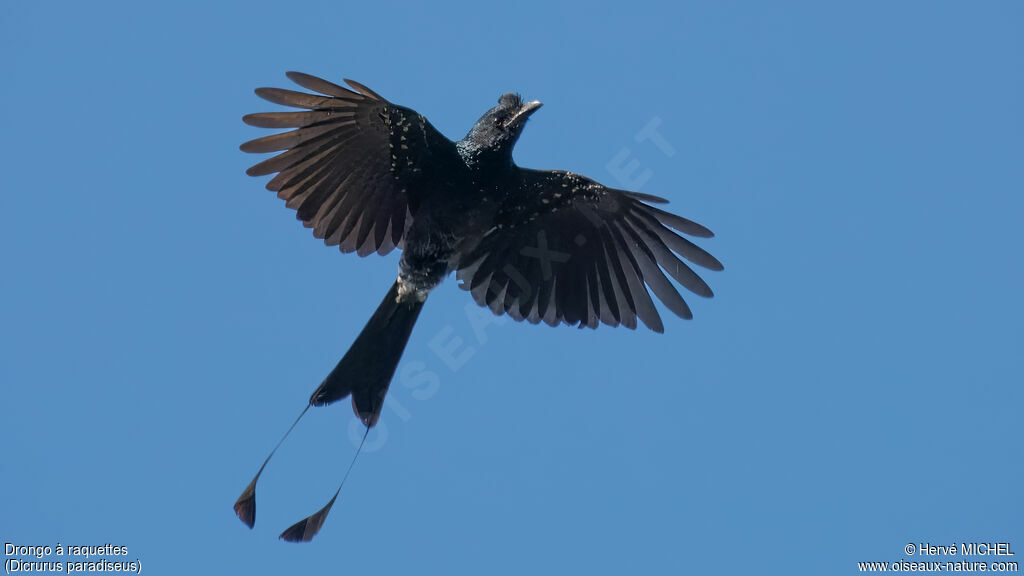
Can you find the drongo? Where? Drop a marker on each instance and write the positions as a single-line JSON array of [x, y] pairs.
[[546, 246]]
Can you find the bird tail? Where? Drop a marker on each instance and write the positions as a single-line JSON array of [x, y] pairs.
[[366, 369]]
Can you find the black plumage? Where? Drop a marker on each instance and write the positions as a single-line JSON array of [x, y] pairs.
[[541, 246]]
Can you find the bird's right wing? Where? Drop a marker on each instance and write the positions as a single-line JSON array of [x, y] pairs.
[[565, 249], [351, 162]]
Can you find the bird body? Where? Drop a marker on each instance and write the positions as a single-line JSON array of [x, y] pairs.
[[541, 246]]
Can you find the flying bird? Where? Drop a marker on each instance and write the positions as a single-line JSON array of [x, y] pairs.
[[546, 246]]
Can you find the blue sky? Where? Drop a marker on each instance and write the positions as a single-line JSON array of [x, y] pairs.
[[855, 384]]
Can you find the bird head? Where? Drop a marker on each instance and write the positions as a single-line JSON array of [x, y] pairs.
[[499, 128]]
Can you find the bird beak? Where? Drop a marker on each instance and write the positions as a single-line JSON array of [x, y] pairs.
[[530, 108], [525, 112]]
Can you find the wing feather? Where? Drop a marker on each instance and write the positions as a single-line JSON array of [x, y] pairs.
[[564, 249], [341, 165]]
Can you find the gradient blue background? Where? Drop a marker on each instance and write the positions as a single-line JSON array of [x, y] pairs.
[[854, 385]]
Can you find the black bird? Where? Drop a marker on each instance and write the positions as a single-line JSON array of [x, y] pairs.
[[542, 246]]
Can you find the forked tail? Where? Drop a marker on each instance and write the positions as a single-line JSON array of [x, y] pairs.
[[366, 369], [364, 372]]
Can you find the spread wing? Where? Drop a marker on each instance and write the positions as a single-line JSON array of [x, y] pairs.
[[564, 248], [351, 164]]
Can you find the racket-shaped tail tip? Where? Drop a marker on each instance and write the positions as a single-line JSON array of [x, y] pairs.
[[304, 530], [245, 506]]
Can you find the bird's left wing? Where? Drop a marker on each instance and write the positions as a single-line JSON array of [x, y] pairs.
[[351, 164], [563, 248]]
